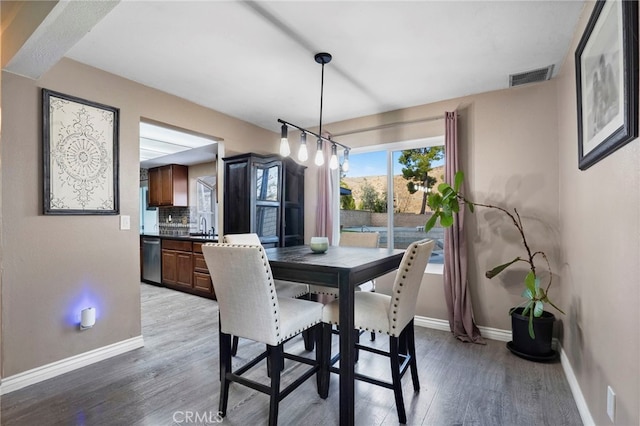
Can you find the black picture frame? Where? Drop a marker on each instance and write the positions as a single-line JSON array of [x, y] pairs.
[[607, 81], [80, 144]]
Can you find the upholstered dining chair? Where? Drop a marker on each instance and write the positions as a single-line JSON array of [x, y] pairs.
[[392, 315], [283, 288], [351, 239], [250, 308]]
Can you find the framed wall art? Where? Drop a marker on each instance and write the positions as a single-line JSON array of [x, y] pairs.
[[607, 81], [80, 156]]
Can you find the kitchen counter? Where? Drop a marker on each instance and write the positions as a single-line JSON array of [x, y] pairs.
[[199, 238]]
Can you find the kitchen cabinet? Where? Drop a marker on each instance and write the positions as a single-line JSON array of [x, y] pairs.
[[264, 195], [201, 279], [184, 267], [177, 264], [168, 186]]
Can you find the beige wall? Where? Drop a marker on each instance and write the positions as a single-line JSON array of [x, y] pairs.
[[508, 157], [600, 240], [52, 263]]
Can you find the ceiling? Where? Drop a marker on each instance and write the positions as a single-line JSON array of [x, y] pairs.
[[254, 60]]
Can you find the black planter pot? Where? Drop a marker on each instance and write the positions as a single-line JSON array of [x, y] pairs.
[[539, 348]]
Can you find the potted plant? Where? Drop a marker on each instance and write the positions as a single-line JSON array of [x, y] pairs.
[[532, 326]]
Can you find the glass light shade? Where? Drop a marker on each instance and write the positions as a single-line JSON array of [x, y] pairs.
[[303, 153], [284, 147], [284, 142], [333, 161], [345, 163], [319, 160]]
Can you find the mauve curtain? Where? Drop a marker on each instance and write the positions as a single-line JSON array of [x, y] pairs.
[[456, 288], [324, 210]]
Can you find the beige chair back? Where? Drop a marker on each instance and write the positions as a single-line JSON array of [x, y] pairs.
[[407, 284], [359, 239], [244, 287], [251, 239]]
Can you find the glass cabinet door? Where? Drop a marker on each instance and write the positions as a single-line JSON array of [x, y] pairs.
[[268, 182]]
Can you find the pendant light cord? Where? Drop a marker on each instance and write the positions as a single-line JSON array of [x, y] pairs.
[[321, 97]]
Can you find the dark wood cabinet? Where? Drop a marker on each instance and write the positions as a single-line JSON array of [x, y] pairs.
[[177, 264], [168, 186], [201, 278], [184, 267], [264, 195]]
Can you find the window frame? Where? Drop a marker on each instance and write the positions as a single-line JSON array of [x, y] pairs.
[[390, 148]]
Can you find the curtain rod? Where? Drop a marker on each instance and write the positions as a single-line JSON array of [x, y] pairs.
[[394, 124]]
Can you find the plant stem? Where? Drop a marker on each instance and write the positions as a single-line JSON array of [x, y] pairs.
[[517, 222]]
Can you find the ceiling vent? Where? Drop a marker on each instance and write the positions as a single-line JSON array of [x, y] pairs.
[[532, 76]]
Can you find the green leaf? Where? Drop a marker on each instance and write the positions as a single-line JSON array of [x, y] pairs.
[[446, 221], [495, 271], [538, 309], [431, 222], [527, 308], [434, 200], [527, 294], [443, 187], [471, 206], [459, 177], [530, 282], [448, 194], [455, 206]]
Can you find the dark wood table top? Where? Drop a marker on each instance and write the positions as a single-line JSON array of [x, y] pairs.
[[299, 263]]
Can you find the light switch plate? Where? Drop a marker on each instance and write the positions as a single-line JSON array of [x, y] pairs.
[[125, 222]]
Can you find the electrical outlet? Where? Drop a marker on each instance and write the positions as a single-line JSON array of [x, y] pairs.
[[125, 222], [611, 404]]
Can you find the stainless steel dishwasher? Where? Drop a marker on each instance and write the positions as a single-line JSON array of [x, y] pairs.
[[151, 267]]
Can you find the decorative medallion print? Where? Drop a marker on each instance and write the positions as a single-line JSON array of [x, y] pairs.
[[81, 153]]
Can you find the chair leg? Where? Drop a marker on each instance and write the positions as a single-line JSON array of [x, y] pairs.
[[411, 350], [309, 339], [356, 355], [320, 359], [276, 356], [373, 336], [225, 367], [395, 378], [234, 346], [402, 342], [325, 359]]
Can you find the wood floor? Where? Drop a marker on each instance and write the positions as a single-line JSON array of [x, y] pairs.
[[173, 380]]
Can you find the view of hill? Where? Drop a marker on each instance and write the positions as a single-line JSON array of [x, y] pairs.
[[404, 201]]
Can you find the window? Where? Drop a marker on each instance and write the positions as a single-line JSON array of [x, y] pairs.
[[386, 189], [206, 202]]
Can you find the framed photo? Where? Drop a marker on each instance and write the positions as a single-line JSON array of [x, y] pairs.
[[80, 156], [607, 81]]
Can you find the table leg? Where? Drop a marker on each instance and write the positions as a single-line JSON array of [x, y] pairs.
[[347, 352]]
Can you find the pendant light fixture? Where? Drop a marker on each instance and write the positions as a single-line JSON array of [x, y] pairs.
[[321, 58]]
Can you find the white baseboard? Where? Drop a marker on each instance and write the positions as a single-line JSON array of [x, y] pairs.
[[505, 336], [578, 397], [30, 377], [439, 324]]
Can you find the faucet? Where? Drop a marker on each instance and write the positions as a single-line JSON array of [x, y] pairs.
[[203, 225]]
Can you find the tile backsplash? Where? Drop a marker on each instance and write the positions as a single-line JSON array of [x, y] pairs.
[[177, 220]]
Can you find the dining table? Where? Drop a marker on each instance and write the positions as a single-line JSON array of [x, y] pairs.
[[343, 268]]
